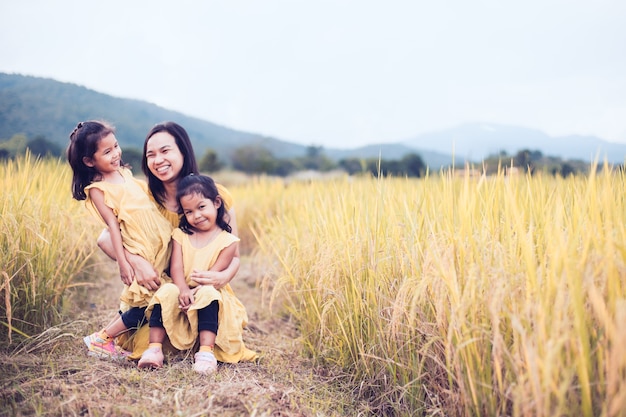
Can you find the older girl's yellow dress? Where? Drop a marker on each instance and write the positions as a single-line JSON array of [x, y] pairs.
[[182, 328], [145, 232], [138, 341]]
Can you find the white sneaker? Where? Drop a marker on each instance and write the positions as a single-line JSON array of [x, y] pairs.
[[151, 358], [205, 363]]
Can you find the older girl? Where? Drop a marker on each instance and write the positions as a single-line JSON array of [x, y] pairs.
[[133, 220]]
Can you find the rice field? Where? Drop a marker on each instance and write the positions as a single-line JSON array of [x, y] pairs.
[[444, 296], [458, 296], [43, 244]]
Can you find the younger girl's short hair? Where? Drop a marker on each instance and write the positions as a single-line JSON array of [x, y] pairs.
[[204, 186], [84, 141]]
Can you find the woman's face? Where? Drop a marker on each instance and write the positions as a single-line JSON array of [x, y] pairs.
[[163, 157]]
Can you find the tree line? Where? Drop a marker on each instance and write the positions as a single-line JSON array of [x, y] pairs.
[[256, 159], [250, 159]]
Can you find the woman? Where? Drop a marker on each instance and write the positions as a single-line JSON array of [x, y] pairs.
[[167, 157]]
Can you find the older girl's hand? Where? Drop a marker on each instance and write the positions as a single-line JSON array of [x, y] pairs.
[[126, 272], [145, 274]]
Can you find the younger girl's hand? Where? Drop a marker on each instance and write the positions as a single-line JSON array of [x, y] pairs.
[[185, 298]]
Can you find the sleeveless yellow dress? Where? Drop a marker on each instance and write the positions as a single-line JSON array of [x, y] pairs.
[[181, 328], [137, 342], [145, 231]]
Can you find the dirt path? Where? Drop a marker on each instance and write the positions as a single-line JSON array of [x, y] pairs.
[[52, 375]]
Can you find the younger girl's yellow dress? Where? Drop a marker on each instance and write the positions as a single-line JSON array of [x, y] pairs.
[[182, 328], [145, 231]]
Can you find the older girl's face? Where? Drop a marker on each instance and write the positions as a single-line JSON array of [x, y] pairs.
[[107, 158], [163, 156]]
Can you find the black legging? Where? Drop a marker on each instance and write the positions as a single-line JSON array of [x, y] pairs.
[[207, 317], [134, 317]]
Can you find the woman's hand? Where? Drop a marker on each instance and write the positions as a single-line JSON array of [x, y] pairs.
[[145, 274], [222, 272], [214, 278]]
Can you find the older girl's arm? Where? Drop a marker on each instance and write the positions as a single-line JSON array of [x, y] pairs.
[[126, 271], [145, 274]]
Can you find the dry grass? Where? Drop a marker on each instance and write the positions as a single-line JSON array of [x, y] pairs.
[[455, 296], [488, 296], [42, 250], [50, 281], [51, 375]]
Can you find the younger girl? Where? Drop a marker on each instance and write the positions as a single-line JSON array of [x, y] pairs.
[[132, 218], [184, 310]]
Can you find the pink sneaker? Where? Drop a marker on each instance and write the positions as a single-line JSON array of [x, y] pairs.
[[205, 363], [103, 348], [151, 358]]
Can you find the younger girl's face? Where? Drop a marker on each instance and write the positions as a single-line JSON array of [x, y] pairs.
[[108, 156], [201, 212], [164, 158]]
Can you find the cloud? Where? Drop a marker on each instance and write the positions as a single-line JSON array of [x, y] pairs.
[[339, 73]]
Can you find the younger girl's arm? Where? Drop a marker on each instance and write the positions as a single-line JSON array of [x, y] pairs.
[[185, 297], [219, 276], [126, 271], [223, 270]]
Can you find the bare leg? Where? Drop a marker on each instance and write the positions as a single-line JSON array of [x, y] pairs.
[[115, 327], [157, 334], [207, 338]]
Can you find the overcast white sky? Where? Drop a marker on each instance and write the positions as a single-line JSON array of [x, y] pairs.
[[338, 73]]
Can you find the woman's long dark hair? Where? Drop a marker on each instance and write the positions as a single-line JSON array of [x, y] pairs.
[[204, 186]]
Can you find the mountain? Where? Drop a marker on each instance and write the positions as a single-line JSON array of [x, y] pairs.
[[475, 141], [43, 107], [36, 106]]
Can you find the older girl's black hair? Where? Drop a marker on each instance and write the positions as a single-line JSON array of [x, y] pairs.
[[84, 141]]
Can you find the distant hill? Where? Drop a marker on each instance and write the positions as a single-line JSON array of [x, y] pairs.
[[36, 106], [476, 141]]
